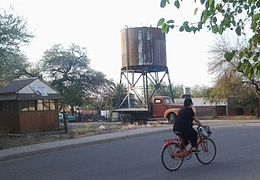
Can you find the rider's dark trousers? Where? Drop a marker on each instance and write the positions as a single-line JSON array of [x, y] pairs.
[[190, 134]]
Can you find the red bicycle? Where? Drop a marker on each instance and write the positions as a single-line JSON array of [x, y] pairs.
[[174, 150]]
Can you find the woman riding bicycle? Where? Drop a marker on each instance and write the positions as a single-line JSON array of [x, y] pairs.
[[184, 122]]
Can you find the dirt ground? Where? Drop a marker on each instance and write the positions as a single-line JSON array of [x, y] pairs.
[[75, 130]]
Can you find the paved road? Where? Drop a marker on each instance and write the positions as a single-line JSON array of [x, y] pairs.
[[238, 158]]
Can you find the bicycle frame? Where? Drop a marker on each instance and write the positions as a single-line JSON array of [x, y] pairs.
[[184, 152], [200, 142]]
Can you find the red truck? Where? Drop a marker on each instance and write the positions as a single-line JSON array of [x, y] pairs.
[[161, 108]]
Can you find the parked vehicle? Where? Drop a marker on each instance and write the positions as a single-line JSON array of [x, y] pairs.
[[161, 108], [70, 117]]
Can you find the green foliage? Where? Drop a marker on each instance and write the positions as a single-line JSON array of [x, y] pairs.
[[229, 85], [13, 35], [13, 65], [219, 16], [226, 86], [177, 91], [177, 4], [164, 2], [109, 97], [199, 91], [117, 93], [69, 72], [232, 64], [229, 55], [164, 90]]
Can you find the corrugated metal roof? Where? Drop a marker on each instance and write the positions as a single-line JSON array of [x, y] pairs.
[[13, 91], [16, 85]]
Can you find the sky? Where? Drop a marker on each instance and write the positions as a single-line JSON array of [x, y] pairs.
[[96, 25]]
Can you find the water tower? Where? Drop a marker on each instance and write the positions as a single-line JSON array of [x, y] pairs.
[[144, 68]]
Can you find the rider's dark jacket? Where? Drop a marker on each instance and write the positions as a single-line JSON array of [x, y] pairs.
[[184, 119]]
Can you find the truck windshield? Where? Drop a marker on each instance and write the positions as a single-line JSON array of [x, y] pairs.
[[168, 101]]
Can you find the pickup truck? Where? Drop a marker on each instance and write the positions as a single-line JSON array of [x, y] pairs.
[[161, 108]]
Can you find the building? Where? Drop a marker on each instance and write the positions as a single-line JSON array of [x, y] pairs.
[[205, 108], [225, 107], [28, 105]]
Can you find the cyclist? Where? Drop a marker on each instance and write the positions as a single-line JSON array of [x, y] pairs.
[[184, 123]]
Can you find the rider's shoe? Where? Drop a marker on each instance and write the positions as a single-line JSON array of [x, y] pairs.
[[194, 150]]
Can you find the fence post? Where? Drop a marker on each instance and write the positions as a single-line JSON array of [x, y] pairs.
[[65, 122]]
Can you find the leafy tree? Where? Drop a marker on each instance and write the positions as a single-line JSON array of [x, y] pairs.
[[226, 86], [117, 93], [13, 35], [68, 71], [229, 86], [219, 65], [164, 90], [222, 15], [108, 96], [177, 91], [13, 65], [199, 91]]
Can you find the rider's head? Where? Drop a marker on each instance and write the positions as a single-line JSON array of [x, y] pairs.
[[188, 102]]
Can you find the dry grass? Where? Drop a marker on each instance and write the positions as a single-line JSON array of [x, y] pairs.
[[75, 130]]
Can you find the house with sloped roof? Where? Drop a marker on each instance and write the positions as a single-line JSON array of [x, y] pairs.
[[28, 105]]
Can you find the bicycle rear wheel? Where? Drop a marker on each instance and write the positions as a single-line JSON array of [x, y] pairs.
[[168, 157], [207, 151]]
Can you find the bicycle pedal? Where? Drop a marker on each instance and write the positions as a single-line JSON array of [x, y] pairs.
[[188, 157]]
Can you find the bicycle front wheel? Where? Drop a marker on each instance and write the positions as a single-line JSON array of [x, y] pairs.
[[168, 156], [207, 151]]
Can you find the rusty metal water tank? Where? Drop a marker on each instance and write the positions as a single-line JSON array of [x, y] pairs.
[[143, 47]]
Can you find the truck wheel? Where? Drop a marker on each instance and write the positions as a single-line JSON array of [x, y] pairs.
[[125, 118], [171, 118], [140, 122], [129, 118]]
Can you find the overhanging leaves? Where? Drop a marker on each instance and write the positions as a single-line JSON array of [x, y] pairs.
[[163, 3], [177, 4], [229, 55], [234, 15]]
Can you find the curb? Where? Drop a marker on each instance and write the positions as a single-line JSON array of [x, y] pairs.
[[35, 149]]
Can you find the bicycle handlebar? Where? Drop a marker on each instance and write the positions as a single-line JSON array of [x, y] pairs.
[[204, 130]]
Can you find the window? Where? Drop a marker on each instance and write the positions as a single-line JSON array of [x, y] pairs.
[[46, 104], [27, 106], [52, 105], [24, 106], [31, 105], [39, 105]]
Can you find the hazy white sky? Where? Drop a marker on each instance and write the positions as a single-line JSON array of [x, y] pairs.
[[96, 25]]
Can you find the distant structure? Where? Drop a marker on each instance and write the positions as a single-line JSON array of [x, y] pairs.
[[187, 93], [144, 66]]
